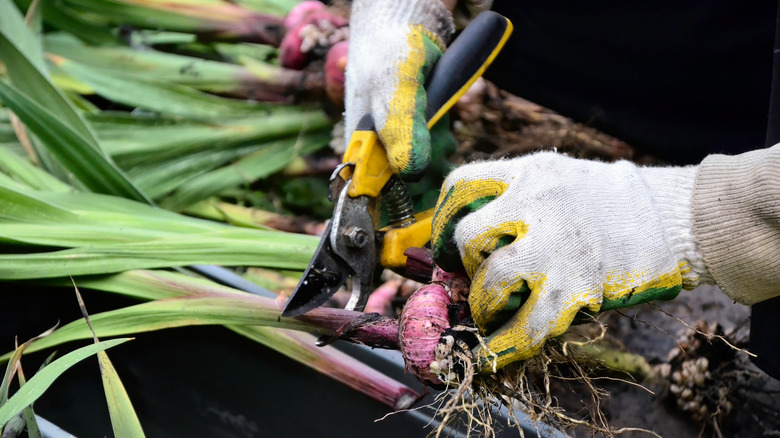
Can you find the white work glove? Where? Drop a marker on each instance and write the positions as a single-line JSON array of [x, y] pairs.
[[544, 236], [393, 46]]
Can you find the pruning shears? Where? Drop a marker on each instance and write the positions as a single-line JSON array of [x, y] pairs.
[[352, 245]]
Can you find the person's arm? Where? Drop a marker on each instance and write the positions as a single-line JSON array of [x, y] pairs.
[[736, 220]]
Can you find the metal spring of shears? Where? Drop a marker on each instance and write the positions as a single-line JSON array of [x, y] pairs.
[[400, 211]]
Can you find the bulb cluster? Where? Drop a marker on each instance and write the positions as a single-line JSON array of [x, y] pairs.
[[442, 366], [693, 377], [321, 34]]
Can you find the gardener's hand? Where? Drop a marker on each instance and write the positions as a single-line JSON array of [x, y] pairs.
[[393, 46], [545, 236]]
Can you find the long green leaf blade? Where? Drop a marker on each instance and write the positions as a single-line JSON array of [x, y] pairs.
[[89, 29], [70, 148], [36, 386], [124, 420], [21, 53], [275, 250], [248, 169], [151, 94], [33, 430], [146, 284], [24, 171], [203, 74], [50, 115], [142, 141], [105, 234], [203, 309], [13, 362], [296, 345], [17, 33], [214, 18], [18, 207]]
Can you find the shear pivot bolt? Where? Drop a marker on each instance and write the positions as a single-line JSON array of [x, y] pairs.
[[356, 237]]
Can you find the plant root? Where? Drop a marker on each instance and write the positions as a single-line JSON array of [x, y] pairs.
[[527, 387]]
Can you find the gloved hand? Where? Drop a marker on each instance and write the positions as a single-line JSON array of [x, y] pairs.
[[544, 236], [393, 46]]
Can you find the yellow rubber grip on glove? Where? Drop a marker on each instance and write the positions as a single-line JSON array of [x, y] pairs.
[[405, 130]]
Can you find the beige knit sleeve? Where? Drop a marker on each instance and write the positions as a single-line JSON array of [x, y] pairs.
[[736, 221]]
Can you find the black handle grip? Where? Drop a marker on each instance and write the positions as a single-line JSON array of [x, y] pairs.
[[465, 61]]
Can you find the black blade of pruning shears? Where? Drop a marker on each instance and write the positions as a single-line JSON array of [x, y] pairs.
[[348, 247], [324, 274]]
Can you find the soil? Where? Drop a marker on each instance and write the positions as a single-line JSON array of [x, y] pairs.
[[741, 401], [654, 334]]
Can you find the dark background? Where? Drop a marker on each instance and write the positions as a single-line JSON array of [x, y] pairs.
[[677, 80]]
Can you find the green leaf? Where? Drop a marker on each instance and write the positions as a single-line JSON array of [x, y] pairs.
[[268, 249], [152, 94], [260, 164], [33, 430], [36, 386], [214, 18], [49, 115], [123, 418], [7, 181], [203, 74], [22, 55], [202, 309], [258, 52], [58, 214], [20, 207], [89, 29], [13, 26], [159, 178], [30, 175], [106, 234], [143, 37], [145, 284], [74, 151], [13, 363], [119, 228], [147, 140], [124, 421], [101, 208], [27, 418], [296, 345], [277, 7]]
